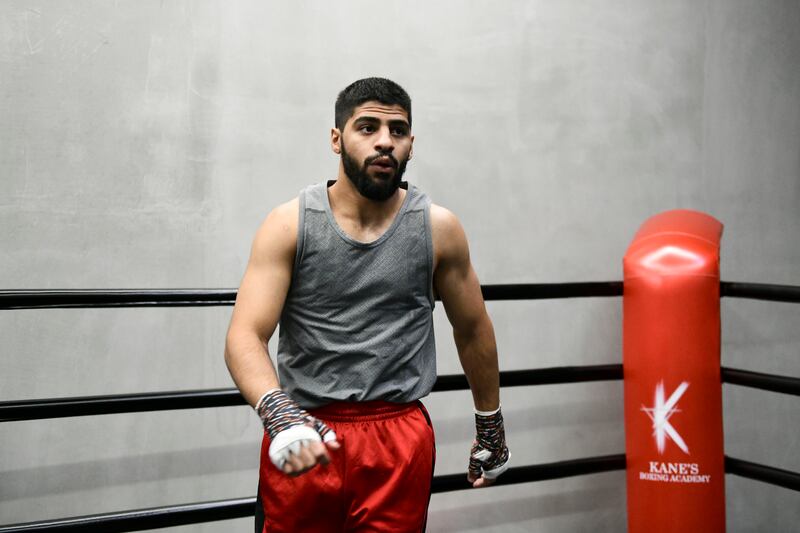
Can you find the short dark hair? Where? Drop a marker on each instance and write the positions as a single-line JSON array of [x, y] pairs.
[[370, 89]]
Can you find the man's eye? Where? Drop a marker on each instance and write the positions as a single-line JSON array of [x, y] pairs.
[[366, 128], [399, 132]]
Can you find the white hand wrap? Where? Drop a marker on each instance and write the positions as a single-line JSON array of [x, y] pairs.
[[483, 456], [289, 427], [290, 440]]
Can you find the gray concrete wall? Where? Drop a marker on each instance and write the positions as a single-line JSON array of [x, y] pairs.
[[141, 144]]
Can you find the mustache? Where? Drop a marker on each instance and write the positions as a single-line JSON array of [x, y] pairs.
[[368, 161]]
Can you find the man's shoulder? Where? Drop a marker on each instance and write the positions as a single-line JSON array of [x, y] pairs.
[[286, 209], [278, 231], [449, 239], [283, 214], [443, 220]]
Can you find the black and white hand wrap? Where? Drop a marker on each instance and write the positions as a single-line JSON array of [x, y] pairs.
[[289, 426], [489, 455]]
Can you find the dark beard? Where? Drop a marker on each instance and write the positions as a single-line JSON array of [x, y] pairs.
[[377, 190]]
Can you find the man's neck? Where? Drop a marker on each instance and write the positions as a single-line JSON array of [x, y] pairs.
[[348, 203]]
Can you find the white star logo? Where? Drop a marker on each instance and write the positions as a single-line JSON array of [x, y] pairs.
[[660, 414]]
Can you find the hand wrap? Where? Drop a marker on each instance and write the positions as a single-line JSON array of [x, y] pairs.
[[489, 455], [289, 426]]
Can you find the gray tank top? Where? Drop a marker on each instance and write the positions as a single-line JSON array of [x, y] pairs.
[[357, 324]]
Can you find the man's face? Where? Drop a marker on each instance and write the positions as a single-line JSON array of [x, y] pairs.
[[375, 146]]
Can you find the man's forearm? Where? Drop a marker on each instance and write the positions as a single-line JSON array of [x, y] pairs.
[[250, 366], [477, 351]]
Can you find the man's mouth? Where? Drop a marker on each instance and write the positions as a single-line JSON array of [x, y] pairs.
[[384, 163]]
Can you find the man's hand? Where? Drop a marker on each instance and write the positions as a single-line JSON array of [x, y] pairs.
[[489, 455], [298, 440]]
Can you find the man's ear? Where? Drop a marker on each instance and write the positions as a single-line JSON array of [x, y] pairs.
[[411, 152], [336, 138]]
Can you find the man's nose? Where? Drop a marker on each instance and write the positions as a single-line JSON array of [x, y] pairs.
[[384, 141]]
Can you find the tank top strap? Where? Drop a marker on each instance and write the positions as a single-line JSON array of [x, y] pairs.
[[313, 197]]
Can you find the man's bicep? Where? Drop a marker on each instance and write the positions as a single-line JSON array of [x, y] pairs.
[[266, 281], [260, 299], [461, 295], [455, 280]]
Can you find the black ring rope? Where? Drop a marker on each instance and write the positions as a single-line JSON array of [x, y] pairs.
[[757, 380], [229, 509], [195, 513], [761, 291], [178, 515], [243, 507], [109, 298], [143, 519], [161, 401], [196, 399], [767, 474]]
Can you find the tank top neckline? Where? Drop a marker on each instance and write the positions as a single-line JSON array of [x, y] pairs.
[[386, 234]]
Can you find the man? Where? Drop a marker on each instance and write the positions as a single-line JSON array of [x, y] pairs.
[[350, 269]]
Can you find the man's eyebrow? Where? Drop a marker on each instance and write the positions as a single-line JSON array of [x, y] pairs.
[[375, 120], [367, 119]]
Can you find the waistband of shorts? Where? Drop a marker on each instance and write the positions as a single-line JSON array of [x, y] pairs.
[[363, 411]]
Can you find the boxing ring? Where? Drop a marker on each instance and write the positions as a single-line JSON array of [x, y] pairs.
[[194, 513]]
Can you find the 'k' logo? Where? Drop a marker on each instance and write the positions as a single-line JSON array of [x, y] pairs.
[[660, 414]]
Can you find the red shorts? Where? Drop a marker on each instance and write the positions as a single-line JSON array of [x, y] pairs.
[[379, 480]]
